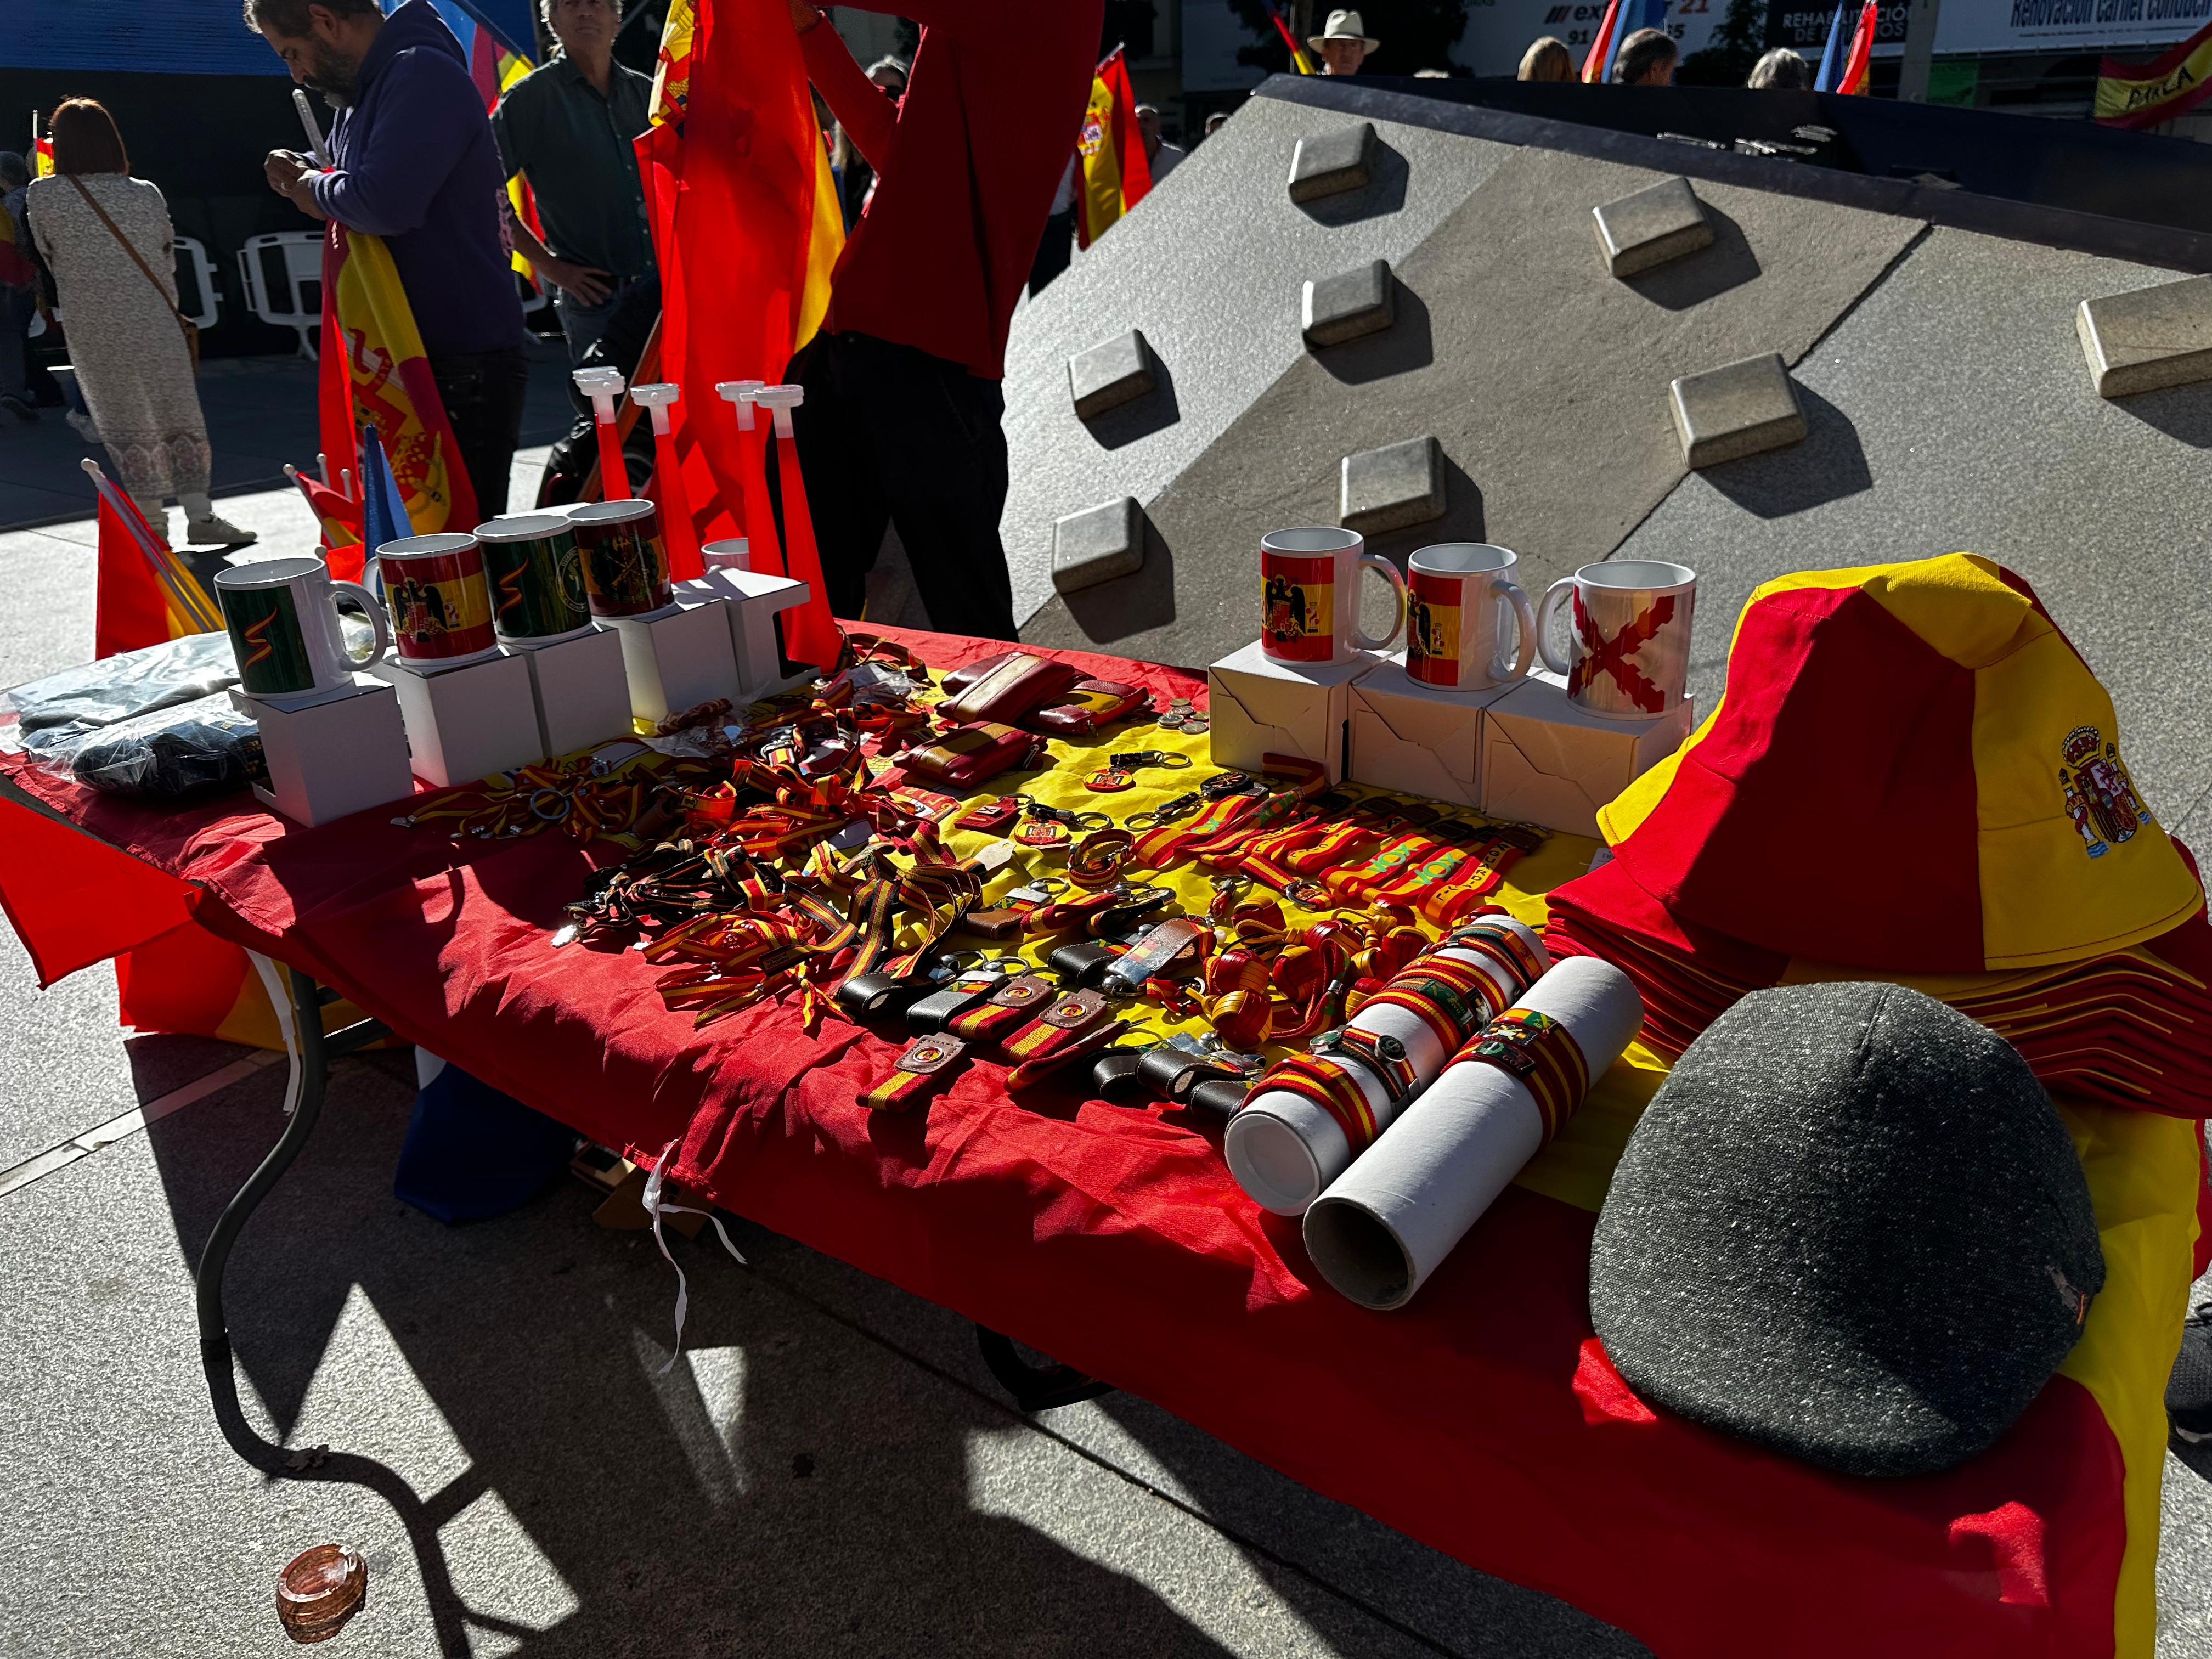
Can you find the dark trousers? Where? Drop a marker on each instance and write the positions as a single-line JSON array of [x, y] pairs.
[[1056, 248], [483, 393], [892, 434], [17, 307]]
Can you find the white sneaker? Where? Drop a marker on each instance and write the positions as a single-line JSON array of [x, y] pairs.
[[214, 531], [81, 423]]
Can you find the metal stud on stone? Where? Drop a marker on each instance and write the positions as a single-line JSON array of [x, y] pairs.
[[1097, 544], [1350, 304], [1725, 413], [1110, 374], [1327, 163], [1390, 488], [1651, 226], [2151, 338]]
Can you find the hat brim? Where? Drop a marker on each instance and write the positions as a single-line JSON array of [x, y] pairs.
[[1367, 41]]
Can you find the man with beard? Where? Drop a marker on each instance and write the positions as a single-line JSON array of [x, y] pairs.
[[414, 162]]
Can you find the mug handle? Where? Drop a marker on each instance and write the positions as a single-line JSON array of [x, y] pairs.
[[373, 612], [1524, 619], [1552, 596], [1376, 562]]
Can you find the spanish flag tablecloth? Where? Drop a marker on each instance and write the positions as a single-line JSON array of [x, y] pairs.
[[1484, 1420]]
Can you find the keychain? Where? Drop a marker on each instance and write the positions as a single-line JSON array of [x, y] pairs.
[[1119, 770]]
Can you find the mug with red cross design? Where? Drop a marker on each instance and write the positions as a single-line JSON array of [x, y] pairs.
[[1628, 648]]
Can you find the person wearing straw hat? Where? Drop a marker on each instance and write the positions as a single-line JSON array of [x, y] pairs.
[[1343, 44]]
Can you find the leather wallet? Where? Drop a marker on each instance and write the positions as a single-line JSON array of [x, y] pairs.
[[1004, 687], [1087, 705], [967, 756]]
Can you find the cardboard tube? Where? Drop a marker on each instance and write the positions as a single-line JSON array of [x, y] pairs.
[[1284, 1149], [1384, 1226]]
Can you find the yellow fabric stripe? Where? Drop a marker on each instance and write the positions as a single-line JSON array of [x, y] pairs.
[[825, 242]]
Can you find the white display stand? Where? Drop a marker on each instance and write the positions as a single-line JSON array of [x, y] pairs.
[[1258, 707], [678, 658], [754, 601], [1547, 762], [332, 753], [581, 691], [1414, 738], [466, 723]]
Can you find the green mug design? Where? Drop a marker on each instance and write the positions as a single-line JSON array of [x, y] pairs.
[[282, 618], [537, 577]]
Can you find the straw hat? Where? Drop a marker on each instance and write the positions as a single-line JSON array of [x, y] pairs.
[[1343, 26], [1912, 771]]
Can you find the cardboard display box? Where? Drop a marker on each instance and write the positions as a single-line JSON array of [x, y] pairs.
[[1418, 739], [1548, 763], [332, 753], [755, 600], [1259, 707], [580, 689], [679, 658], [469, 722]]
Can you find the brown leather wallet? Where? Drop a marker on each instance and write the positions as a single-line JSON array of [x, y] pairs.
[[967, 756], [1006, 687]]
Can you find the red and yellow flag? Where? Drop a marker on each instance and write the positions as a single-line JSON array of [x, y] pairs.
[[374, 373], [2145, 95], [1116, 173], [746, 231], [1854, 77]]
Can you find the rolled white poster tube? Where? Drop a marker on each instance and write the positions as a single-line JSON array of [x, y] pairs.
[[1285, 1148], [1383, 1225]]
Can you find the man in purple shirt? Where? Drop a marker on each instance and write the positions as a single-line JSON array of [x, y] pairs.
[[414, 162]]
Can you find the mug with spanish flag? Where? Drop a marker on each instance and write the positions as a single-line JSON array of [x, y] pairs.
[[440, 607], [1457, 594], [1309, 596]]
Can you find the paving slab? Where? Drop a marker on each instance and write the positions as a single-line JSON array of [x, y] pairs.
[[1212, 271], [794, 1483], [1543, 379], [1949, 411]]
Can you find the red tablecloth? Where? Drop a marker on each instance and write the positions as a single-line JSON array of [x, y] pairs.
[[1483, 1420]]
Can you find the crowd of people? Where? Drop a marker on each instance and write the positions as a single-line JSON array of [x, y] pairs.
[[968, 144]]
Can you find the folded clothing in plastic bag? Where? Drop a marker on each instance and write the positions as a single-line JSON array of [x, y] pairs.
[[52, 714], [199, 748]]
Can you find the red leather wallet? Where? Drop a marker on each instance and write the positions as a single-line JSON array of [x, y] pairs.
[[1089, 705], [1004, 688], [968, 755]]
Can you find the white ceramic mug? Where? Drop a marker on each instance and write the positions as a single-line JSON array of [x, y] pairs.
[[1628, 650], [282, 615], [1457, 596], [1310, 603]]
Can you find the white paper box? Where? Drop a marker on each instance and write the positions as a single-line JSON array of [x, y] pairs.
[[580, 689], [1258, 708], [680, 658], [755, 601], [337, 753], [1547, 762], [1418, 739], [467, 723]]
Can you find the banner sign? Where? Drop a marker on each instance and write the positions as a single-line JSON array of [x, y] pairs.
[[1980, 26]]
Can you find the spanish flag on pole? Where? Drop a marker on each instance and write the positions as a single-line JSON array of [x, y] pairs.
[[375, 373], [2145, 95], [747, 231], [1116, 173]]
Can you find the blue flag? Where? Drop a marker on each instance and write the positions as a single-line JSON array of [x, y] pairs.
[[1832, 59], [383, 508], [1634, 15]]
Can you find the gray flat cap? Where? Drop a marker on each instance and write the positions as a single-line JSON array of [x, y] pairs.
[[1849, 1227]]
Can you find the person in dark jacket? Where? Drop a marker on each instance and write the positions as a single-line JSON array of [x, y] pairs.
[[415, 162]]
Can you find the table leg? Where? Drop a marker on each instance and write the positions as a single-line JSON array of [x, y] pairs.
[[317, 1052]]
